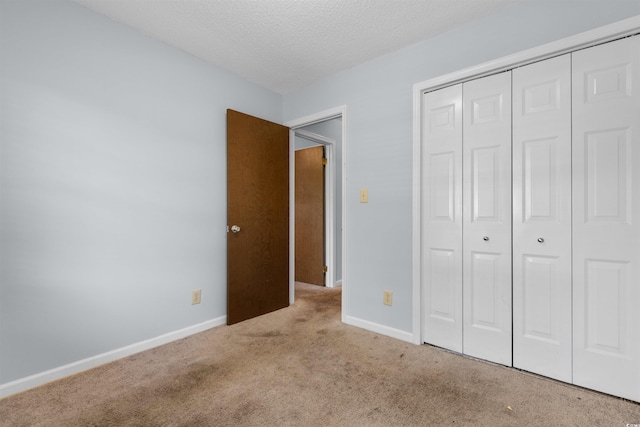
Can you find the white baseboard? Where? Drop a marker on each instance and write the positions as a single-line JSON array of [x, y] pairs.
[[41, 378], [337, 284], [380, 329]]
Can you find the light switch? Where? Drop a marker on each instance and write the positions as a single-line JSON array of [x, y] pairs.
[[364, 196]]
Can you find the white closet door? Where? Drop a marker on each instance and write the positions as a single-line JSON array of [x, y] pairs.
[[442, 217], [542, 218], [487, 218], [606, 201]]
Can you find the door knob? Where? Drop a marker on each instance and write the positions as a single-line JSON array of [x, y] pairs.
[[235, 229], [540, 240], [485, 238]]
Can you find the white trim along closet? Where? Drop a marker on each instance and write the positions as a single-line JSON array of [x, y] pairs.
[[529, 216]]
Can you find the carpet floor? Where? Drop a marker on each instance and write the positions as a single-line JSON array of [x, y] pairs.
[[301, 366]]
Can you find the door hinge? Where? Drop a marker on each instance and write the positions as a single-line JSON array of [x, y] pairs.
[[325, 268], [325, 161]]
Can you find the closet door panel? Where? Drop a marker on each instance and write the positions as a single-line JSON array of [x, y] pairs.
[[542, 218], [487, 218], [442, 218], [606, 199]]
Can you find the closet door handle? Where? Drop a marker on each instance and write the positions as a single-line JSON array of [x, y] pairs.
[[485, 238], [540, 240]]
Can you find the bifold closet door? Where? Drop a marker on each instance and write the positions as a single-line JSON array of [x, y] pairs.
[[486, 229], [442, 217], [542, 218], [606, 220]]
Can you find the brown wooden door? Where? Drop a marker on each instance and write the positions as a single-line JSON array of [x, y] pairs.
[[309, 219], [257, 203]]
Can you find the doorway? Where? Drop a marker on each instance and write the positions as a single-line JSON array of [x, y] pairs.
[[327, 128]]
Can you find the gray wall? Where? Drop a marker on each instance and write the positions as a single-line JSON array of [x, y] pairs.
[[302, 143], [378, 96], [113, 185]]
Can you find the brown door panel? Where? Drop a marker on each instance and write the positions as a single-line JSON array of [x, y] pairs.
[[309, 218], [257, 202]]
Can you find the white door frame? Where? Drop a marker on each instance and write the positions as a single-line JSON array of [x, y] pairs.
[[583, 40], [321, 116], [329, 196]]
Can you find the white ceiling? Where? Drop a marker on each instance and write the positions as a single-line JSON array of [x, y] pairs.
[[284, 45]]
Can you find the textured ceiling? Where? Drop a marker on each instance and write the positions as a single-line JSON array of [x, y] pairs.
[[284, 45]]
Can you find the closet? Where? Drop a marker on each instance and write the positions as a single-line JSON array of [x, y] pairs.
[[530, 201], [467, 201], [486, 218], [542, 218]]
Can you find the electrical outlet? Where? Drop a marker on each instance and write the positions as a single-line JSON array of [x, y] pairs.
[[364, 196], [196, 296], [387, 299]]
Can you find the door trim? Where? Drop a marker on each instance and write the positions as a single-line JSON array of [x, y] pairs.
[[620, 29], [321, 116], [330, 202]]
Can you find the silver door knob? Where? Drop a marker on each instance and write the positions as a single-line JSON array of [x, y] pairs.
[[540, 240], [235, 229], [485, 238]]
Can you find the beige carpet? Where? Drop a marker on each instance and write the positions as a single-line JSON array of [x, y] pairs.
[[301, 366]]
